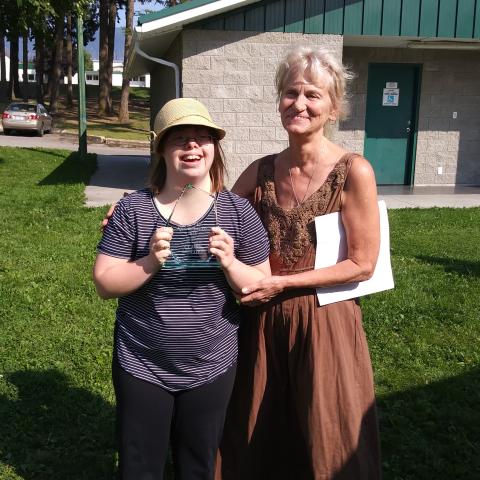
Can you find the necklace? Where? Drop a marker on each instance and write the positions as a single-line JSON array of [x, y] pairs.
[[308, 185]]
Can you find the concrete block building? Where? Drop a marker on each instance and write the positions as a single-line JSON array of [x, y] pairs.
[[415, 101]]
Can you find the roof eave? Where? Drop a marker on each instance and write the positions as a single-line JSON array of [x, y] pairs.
[[168, 27]]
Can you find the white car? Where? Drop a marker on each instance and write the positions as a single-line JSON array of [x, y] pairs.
[[26, 117]]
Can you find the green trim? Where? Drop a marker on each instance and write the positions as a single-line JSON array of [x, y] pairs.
[[372, 17], [465, 18], [391, 19], [476, 34], [412, 18], [428, 18], [446, 18], [168, 11], [353, 18], [275, 16], [294, 16], [334, 17], [314, 16]]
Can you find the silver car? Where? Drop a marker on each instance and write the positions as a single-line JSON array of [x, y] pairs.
[[26, 116]]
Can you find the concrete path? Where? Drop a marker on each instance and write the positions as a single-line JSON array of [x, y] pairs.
[[121, 173], [115, 175], [428, 197]]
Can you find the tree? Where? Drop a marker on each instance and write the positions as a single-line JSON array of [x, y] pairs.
[[57, 61], [25, 64], [88, 62], [112, 18], [123, 114], [103, 59], [3, 73], [69, 60]]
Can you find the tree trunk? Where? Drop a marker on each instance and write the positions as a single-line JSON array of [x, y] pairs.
[[14, 88], [3, 71], [123, 114], [39, 64], [69, 61], [57, 62], [25, 65], [103, 59], [112, 20]]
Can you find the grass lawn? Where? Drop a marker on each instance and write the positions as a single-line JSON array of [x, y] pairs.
[[56, 399]]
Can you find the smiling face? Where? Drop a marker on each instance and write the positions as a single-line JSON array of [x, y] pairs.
[[305, 106], [189, 153]]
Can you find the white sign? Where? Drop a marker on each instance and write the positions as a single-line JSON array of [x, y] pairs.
[[391, 85], [390, 97], [332, 248]]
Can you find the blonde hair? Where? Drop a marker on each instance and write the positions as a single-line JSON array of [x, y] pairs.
[[316, 63]]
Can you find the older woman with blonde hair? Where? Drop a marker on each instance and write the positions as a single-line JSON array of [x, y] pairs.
[[303, 405]]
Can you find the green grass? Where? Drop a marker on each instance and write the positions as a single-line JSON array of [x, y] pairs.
[[56, 400]]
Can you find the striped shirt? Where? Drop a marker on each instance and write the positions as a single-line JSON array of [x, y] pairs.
[[179, 330]]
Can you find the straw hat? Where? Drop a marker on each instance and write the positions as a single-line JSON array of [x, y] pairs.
[[182, 111]]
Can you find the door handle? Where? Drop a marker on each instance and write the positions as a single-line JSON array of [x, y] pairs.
[[408, 130]]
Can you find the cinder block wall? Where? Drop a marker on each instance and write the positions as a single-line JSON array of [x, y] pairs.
[[233, 74], [450, 83]]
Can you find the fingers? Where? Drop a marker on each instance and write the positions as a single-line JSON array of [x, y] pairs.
[[162, 233], [160, 244], [107, 216], [222, 246]]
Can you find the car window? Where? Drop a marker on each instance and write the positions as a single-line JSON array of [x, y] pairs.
[[21, 107]]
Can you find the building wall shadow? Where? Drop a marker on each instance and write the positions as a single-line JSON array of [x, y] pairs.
[[432, 431]]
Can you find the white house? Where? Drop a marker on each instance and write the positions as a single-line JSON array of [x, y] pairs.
[[91, 76], [7, 67]]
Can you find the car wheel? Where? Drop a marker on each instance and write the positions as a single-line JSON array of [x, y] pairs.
[[40, 132], [7, 131]]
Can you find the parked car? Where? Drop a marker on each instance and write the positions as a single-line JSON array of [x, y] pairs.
[[26, 117]]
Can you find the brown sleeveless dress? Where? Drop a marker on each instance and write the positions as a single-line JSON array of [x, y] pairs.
[[303, 405]]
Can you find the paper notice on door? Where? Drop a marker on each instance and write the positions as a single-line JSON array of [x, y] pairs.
[[390, 97], [332, 248]]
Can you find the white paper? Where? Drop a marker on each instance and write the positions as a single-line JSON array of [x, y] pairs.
[[390, 97], [332, 248]]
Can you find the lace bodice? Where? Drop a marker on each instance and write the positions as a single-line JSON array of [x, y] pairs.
[[292, 231]]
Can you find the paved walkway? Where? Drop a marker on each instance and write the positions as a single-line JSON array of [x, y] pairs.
[[119, 173]]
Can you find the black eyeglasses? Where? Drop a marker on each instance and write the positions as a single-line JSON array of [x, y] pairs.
[[181, 140]]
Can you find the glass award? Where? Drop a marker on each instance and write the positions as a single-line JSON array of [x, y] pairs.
[[192, 218]]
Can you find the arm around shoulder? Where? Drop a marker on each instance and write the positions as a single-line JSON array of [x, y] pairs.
[[247, 181]]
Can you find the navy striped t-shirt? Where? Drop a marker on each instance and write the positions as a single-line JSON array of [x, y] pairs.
[[179, 330]]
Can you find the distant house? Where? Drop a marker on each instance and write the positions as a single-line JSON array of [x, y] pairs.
[[415, 101], [91, 76], [7, 67]]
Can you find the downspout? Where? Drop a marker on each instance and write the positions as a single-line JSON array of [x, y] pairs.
[[163, 62]]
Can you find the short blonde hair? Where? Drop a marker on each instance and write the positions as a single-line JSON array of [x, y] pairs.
[[316, 63]]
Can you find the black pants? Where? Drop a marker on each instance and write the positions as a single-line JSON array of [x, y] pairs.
[[149, 418]]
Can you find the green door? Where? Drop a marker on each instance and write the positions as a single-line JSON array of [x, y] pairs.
[[390, 121]]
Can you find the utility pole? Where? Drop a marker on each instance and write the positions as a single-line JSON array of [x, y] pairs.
[[82, 110]]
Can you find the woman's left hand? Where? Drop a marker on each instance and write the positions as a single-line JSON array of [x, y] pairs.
[[221, 245], [262, 291]]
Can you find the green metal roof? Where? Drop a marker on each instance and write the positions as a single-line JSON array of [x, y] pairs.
[[458, 19], [166, 12]]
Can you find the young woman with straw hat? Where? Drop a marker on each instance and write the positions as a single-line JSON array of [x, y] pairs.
[[176, 323]]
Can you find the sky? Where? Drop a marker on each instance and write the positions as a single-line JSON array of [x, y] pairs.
[[92, 47], [139, 10]]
